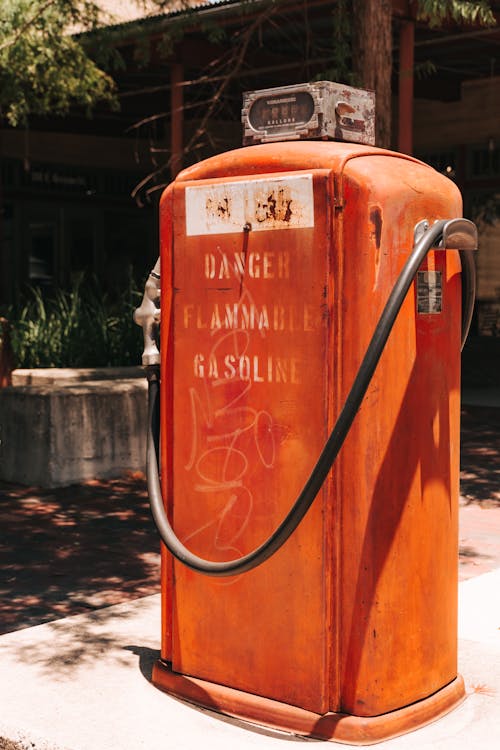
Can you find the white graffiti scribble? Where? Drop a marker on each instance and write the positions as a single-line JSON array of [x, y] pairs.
[[224, 439]]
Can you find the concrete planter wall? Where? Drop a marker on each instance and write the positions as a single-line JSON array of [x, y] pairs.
[[58, 427]]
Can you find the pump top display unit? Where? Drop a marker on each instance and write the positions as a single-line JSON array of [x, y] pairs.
[[304, 424], [323, 110]]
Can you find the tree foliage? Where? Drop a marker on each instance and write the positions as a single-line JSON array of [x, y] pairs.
[[47, 65], [44, 67], [372, 44], [435, 12]]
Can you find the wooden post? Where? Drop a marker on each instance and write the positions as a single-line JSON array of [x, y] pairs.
[[405, 104], [372, 59], [176, 118]]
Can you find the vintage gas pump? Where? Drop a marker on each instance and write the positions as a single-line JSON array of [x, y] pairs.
[[313, 298]]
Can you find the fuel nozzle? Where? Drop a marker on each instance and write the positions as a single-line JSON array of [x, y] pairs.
[[148, 317]]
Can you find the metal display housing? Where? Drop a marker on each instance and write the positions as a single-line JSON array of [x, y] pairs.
[[322, 110]]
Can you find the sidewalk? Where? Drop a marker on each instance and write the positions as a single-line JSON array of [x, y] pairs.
[[75, 671], [82, 683], [480, 484]]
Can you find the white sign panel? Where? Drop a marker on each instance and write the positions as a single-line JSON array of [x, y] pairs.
[[256, 205]]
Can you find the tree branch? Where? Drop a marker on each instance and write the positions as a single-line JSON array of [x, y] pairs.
[[25, 26]]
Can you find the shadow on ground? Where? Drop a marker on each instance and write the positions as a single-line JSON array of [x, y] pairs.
[[480, 456], [74, 549]]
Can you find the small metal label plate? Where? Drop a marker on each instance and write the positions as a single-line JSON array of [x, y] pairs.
[[429, 292]]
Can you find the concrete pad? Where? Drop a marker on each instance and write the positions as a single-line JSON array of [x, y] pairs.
[[56, 434], [479, 610], [484, 396], [70, 375], [82, 683]]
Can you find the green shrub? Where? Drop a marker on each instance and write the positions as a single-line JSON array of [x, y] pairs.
[[78, 328]]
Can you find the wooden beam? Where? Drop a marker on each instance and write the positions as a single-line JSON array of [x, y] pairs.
[[176, 118], [406, 73]]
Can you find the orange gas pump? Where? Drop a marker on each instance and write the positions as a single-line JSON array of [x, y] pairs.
[[313, 299]]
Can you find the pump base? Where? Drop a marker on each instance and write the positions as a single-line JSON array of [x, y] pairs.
[[338, 727]]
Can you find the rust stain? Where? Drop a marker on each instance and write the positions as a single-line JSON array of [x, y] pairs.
[[246, 229], [275, 207], [483, 689], [376, 221], [218, 208]]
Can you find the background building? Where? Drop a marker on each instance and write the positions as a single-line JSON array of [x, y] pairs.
[[79, 194]]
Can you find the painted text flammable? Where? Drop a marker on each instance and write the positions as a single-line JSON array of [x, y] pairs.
[[252, 317]]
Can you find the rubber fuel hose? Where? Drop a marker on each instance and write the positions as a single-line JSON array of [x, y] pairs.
[[333, 444]]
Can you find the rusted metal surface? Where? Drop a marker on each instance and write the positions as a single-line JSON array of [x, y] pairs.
[[266, 330], [223, 207], [250, 341], [321, 110]]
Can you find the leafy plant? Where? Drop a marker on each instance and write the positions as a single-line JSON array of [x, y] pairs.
[[77, 328], [461, 11]]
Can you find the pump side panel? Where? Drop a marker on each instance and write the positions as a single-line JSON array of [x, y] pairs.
[[251, 328], [166, 405], [398, 470]]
